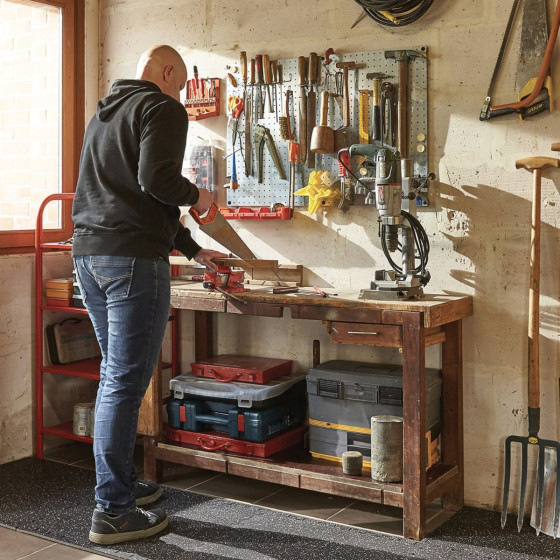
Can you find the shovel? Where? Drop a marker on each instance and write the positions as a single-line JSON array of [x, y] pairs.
[[546, 447]]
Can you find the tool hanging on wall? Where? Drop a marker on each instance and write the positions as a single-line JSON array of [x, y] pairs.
[[535, 94], [202, 97], [302, 107], [388, 114], [535, 165], [284, 120], [262, 137], [363, 124], [393, 13]]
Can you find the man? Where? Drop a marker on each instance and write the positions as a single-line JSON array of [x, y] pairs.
[[126, 221]]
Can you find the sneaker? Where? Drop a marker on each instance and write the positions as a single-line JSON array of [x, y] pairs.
[[137, 524], [146, 492]]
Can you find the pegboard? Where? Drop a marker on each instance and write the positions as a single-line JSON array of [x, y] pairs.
[[274, 190]]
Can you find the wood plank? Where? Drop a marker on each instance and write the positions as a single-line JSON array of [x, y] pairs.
[[448, 312], [203, 335], [190, 457], [365, 334], [341, 488], [149, 416], [322, 313], [414, 428], [152, 467], [267, 472], [217, 305], [247, 264], [452, 411], [444, 483], [282, 273], [435, 338], [258, 309]]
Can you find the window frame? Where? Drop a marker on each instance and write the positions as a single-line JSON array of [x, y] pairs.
[[72, 123]]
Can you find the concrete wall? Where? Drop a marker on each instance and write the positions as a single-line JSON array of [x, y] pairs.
[[479, 225]]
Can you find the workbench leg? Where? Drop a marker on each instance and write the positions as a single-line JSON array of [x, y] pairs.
[[414, 427], [452, 412], [203, 335], [153, 468]]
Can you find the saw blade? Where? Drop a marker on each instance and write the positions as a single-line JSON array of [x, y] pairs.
[[532, 44]]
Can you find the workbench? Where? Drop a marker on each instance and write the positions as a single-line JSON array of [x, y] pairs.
[[410, 326]]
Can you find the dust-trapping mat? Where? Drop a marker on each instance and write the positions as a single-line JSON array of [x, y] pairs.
[[55, 501]]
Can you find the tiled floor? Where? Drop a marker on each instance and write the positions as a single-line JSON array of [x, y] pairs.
[[347, 511]]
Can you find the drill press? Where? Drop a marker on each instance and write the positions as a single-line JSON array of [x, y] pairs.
[[382, 173]]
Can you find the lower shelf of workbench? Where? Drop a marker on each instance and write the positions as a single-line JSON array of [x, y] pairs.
[[295, 467]]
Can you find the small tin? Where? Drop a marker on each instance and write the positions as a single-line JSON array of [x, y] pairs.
[[82, 419]]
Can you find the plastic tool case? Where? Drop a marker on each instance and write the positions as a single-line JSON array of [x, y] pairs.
[[250, 425], [344, 395], [250, 369], [244, 395]]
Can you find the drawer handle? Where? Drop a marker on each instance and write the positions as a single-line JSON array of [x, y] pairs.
[[362, 332]]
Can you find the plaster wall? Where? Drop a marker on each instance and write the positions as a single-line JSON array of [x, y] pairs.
[[478, 224]]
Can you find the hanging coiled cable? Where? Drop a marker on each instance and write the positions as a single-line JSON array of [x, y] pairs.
[[395, 13], [422, 244]]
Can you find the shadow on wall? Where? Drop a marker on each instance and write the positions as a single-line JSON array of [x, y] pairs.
[[492, 228]]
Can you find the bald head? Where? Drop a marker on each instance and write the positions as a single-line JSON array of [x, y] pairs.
[[163, 65]]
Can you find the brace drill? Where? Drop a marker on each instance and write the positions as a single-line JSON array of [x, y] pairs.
[[262, 137]]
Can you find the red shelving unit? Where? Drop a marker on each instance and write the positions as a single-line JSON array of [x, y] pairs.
[[86, 369]]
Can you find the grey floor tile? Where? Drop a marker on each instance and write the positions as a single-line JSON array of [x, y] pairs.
[[305, 502], [16, 545], [367, 515], [236, 488]]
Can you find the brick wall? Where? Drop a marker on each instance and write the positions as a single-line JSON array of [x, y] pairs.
[[29, 112]]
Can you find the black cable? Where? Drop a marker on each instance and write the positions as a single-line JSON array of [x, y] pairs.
[[402, 12], [338, 157], [422, 245]]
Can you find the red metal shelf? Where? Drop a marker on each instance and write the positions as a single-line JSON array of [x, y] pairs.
[[56, 246], [88, 369], [79, 310], [64, 430]]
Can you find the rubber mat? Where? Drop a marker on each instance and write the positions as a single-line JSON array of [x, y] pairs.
[[55, 501]]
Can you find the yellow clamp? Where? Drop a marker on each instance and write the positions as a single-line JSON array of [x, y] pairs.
[[320, 190]]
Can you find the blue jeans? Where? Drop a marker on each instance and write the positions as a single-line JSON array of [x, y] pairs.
[[127, 299]]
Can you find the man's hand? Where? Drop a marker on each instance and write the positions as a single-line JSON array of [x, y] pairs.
[[205, 200], [205, 256]]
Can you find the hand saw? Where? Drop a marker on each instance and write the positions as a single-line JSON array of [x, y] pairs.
[[534, 87]]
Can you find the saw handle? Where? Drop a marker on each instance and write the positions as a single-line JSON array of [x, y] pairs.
[[208, 218]]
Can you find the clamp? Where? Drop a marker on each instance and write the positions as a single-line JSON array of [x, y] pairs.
[[262, 137]]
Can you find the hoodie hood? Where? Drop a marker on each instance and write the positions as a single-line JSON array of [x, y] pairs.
[[120, 92]]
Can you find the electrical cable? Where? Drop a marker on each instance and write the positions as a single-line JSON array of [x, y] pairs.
[[395, 13], [421, 242]]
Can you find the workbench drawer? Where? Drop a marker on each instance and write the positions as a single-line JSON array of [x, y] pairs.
[[369, 334]]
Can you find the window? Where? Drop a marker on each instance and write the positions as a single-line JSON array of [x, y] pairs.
[[41, 115]]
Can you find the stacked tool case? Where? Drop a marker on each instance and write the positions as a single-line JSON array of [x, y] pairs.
[[252, 418], [344, 395]]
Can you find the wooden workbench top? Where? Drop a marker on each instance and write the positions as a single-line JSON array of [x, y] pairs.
[[437, 309]]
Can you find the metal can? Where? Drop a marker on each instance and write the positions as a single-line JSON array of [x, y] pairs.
[[82, 415]]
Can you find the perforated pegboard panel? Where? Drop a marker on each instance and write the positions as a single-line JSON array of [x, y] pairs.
[[274, 190]]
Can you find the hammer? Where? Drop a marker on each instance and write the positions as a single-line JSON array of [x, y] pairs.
[[402, 57], [376, 120]]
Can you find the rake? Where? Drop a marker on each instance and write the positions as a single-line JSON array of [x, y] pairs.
[[534, 165]]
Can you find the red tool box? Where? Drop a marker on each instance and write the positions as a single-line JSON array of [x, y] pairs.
[[216, 441], [250, 369]]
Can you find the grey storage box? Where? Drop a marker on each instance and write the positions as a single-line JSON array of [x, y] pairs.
[[344, 395]]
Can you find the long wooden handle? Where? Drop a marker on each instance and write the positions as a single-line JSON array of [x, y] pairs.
[[302, 66], [534, 294], [324, 108], [266, 69], [243, 64]]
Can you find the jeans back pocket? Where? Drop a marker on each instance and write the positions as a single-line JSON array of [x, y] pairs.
[[113, 275]]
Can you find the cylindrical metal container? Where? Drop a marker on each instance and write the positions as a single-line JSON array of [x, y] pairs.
[[387, 448], [81, 422]]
